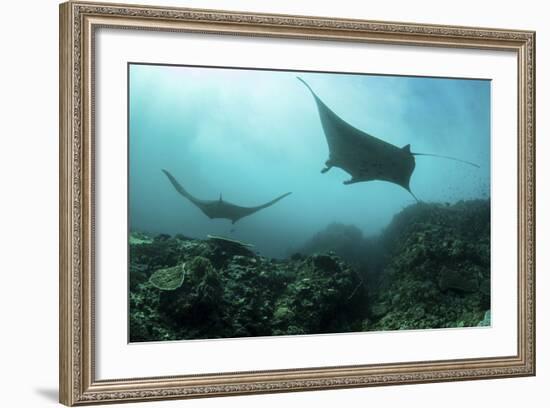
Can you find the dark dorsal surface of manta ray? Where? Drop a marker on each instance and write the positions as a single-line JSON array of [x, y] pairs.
[[220, 208], [363, 156]]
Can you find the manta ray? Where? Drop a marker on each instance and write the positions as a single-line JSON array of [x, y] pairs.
[[220, 208], [364, 156]]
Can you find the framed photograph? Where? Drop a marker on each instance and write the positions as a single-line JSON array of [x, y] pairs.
[[255, 203]]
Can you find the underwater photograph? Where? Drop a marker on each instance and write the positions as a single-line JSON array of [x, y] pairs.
[[277, 202]]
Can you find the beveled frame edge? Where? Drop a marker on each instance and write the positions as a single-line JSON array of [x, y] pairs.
[[76, 369]]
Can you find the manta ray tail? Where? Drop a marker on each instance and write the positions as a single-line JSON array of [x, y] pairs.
[[417, 200], [446, 157]]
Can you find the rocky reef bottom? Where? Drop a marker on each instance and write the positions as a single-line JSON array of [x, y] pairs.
[[429, 269]]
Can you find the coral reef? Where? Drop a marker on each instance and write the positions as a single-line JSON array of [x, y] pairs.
[[437, 272], [219, 288], [345, 240], [430, 268], [326, 296], [349, 243]]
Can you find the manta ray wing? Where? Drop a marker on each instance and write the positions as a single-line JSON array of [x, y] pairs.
[[179, 188], [246, 211]]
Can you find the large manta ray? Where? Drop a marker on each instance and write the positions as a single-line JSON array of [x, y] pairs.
[[364, 156], [220, 208]]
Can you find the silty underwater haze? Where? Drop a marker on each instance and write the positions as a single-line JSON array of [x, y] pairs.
[[253, 135]]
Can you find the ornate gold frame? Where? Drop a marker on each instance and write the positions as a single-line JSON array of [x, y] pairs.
[[78, 20]]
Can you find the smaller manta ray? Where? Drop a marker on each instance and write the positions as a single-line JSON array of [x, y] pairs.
[[220, 208], [364, 156]]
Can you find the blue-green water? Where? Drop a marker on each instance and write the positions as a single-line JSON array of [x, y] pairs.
[[254, 135]]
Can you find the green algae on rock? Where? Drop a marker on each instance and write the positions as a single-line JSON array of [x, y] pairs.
[[168, 278], [138, 238], [486, 319]]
